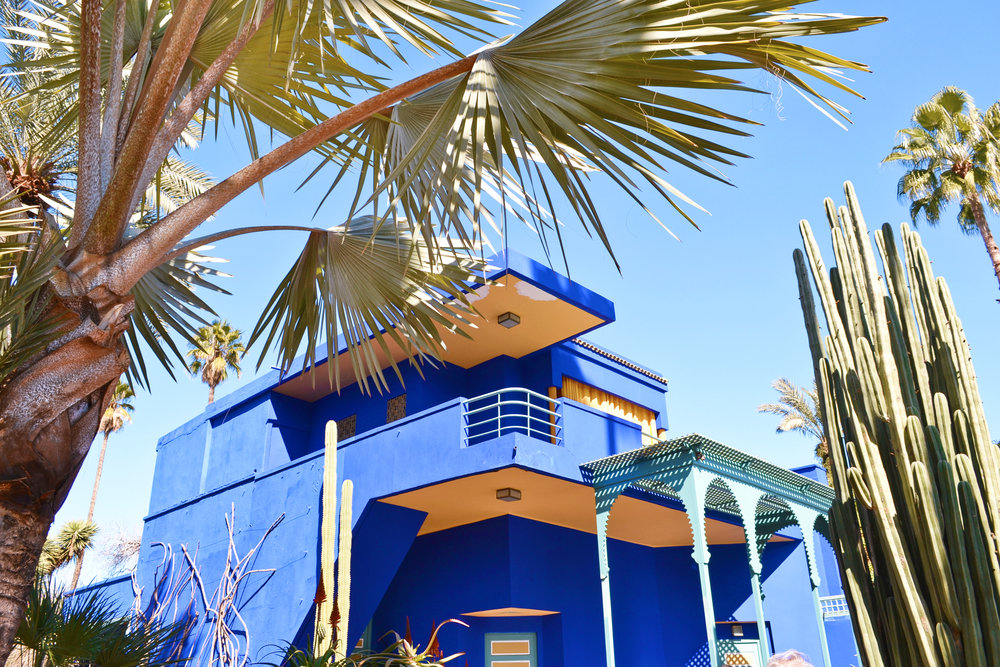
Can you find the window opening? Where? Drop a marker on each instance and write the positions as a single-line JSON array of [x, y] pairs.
[[347, 427], [395, 409]]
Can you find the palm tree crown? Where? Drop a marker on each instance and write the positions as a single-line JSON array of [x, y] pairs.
[[952, 154], [219, 349], [798, 409], [73, 539], [119, 410]]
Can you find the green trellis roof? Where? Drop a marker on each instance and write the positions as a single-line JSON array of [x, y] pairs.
[[636, 467]]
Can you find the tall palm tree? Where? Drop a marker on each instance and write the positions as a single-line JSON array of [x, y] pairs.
[[799, 412], [583, 89], [218, 350], [116, 415], [952, 154]]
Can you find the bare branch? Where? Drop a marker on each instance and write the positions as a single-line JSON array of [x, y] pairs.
[[182, 114], [88, 185], [146, 251], [112, 106], [155, 98]]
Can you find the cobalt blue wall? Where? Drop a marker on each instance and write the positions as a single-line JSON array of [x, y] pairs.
[[514, 562]]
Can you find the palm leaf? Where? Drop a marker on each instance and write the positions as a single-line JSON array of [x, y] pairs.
[[165, 301], [600, 79], [365, 286]]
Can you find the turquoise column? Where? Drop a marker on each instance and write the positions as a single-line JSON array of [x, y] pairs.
[[692, 494], [807, 521], [746, 498], [605, 571]]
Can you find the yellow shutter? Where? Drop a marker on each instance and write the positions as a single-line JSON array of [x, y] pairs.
[[613, 405]]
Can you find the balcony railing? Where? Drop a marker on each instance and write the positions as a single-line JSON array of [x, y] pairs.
[[511, 410]]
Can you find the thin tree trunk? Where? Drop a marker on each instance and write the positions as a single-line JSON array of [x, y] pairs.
[[90, 512], [97, 478], [211, 394], [22, 534], [984, 230]]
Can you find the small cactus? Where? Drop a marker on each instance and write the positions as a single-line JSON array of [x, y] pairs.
[[916, 475]]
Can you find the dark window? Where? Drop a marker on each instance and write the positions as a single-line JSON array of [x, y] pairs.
[[347, 427], [395, 408]]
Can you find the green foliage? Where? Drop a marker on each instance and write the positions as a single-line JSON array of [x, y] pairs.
[[916, 475], [799, 411], [217, 350], [119, 410], [952, 154], [73, 539], [403, 652], [442, 163], [68, 632]]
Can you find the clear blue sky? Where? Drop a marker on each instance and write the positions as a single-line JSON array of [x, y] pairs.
[[717, 313]]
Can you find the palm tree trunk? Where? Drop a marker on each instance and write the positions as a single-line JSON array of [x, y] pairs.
[[50, 413], [97, 478], [22, 534], [984, 230], [78, 567], [211, 394]]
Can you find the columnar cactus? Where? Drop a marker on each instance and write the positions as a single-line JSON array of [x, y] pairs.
[[344, 567], [323, 633], [917, 509], [332, 612]]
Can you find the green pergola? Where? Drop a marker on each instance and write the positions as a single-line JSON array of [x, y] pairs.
[[705, 475]]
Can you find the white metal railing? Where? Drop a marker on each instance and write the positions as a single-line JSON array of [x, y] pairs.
[[833, 606], [511, 410]]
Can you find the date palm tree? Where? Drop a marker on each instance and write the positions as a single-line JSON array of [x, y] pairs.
[[116, 415], [218, 350], [952, 154], [799, 412], [593, 86]]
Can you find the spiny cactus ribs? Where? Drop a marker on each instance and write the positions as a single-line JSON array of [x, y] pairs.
[[916, 473]]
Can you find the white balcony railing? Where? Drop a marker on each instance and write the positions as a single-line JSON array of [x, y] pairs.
[[511, 410]]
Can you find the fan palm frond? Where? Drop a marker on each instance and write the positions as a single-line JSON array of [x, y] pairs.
[[366, 285]]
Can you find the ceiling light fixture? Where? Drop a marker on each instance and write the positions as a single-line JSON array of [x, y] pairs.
[[509, 320], [509, 495]]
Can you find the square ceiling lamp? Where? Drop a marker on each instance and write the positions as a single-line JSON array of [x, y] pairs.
[[509, 320], [509, 495]]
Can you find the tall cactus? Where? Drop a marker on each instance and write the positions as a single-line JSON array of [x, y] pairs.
[[332, 612], [916, 475], [344, 567]]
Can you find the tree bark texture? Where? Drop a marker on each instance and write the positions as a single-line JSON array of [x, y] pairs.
[[22, 534], [50, 413], [984, 230]]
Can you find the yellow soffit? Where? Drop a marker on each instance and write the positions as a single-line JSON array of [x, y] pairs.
[[545, 319], [509, 611], [556, 501]]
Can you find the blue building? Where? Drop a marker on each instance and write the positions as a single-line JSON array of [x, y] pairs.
[[525, 485]]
